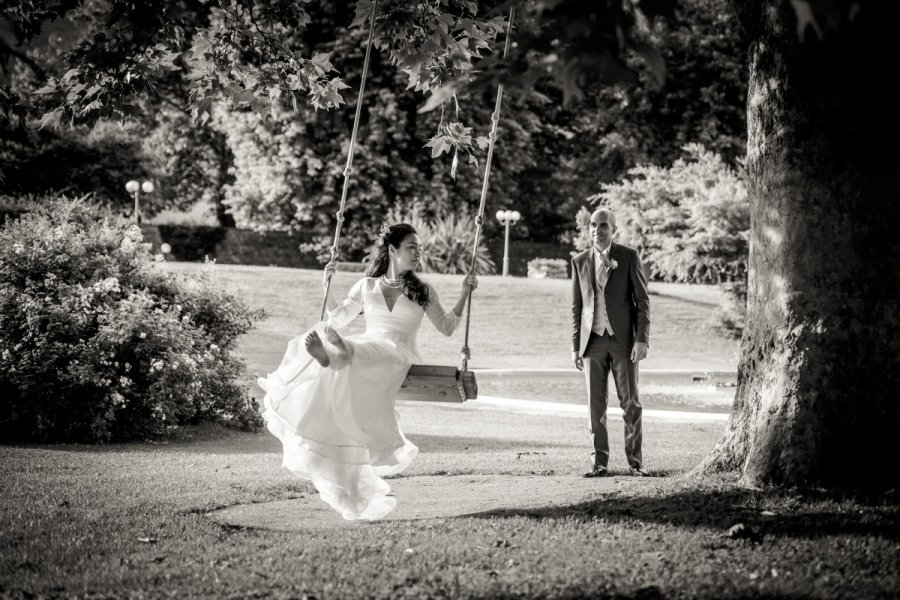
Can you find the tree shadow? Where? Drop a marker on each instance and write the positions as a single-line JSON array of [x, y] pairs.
[[452, 443], [808, 515], [216, 439], [200, 439], [693, 301]]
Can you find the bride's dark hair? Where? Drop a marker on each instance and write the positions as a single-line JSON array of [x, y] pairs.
[[393, 235]]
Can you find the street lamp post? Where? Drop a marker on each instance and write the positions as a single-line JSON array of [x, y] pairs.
[[135, 188], [507, 218]]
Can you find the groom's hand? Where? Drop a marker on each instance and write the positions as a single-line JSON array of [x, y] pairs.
[[639, 352], [579, 361]]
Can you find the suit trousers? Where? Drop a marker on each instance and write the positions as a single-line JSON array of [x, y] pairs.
[[605, 353]]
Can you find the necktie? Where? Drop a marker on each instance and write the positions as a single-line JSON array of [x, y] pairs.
[[600, 270]]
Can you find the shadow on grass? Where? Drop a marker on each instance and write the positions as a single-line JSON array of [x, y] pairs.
[[214, 439], [200, 439], [693, 301], [452, 443], [812, 515]]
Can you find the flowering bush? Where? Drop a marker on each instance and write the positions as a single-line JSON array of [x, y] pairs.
[[690, 221], [98, 344]]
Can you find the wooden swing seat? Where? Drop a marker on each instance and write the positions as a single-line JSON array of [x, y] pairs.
[[435, 383]]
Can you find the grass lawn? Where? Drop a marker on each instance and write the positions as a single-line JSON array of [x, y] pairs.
[[516, 322], [133, 520], [130, 521]]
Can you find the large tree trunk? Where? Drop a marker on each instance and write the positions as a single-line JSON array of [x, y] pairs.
[[819, 378]]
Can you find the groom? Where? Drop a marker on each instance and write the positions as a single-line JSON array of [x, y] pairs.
[[611, 319]]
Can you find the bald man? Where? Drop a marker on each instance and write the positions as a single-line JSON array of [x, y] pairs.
[[611, 332]]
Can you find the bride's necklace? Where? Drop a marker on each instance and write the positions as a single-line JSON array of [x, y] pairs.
[[391, 283]]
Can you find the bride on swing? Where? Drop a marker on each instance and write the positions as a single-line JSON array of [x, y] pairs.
[[331, 402]]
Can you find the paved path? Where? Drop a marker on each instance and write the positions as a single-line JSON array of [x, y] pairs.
[[559, 409], [443, 497], [435, 497]]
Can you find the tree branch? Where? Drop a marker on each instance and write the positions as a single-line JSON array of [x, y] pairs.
[[7, 50]]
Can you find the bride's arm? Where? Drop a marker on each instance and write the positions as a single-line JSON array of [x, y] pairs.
[[340, 315], [446, 321]]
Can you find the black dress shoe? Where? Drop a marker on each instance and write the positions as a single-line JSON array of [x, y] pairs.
[[597, 471], [640, 472]]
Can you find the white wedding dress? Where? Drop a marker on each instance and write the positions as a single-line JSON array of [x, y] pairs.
[[338, 424]]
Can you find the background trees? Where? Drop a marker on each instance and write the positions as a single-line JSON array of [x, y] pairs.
[[281, 171]]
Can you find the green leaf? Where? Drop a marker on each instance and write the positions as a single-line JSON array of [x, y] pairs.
[[438, 144], [437, 98], [92, 106], [322, 60], [51, 119]]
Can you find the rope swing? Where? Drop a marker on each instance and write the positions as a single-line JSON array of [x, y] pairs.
[[348, 169], [427, 382]]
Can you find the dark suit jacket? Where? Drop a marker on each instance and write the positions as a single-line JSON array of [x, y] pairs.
[[627, 301]]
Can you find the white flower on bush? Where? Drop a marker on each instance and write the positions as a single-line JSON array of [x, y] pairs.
[[156, 365], [117, 399], [143, 335], [159, 412], [18, 248], [110, 284], [133, 234], [213, 347]]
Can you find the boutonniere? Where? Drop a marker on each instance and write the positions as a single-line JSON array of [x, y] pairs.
[[612, 264]]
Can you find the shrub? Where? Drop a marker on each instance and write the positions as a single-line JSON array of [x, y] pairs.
[[733, 308], [98, 344], [548, 268], [690, 221]]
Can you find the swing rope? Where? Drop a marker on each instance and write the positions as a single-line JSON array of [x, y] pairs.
[[479, 219], [349, 168]]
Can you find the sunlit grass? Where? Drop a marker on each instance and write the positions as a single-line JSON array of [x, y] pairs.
[[516, 322], [131, 521]]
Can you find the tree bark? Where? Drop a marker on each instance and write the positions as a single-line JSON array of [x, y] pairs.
[[818, 397]]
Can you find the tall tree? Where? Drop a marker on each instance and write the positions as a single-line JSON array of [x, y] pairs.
[[817, 398]]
